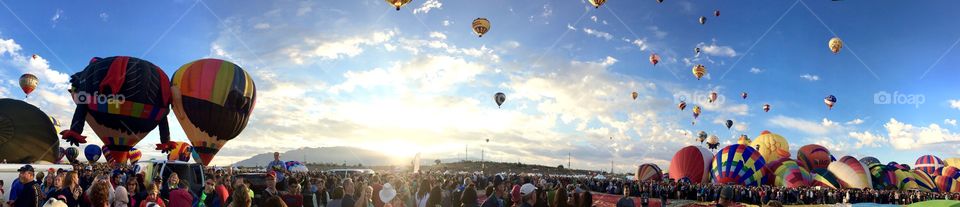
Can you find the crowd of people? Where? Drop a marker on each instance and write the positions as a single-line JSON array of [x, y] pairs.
[[102, 185]]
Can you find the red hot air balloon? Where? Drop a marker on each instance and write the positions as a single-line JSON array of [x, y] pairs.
[[123, 99], [692, 163], [814, 157], [28, 83]]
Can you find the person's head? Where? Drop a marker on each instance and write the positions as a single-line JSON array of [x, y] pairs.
[[294, 188], [337, 193], [53, 202], [529, 193], [241, 199], [348, 187], [115, 179], [210, 185], [57, 181], [275, 201], [173, 180], [133, 185], [560, 199], [153, 190], [100, 194], [725, 195], [626, 190], [586, 199], [71, 180], [276, 156], [26, 173], [271, 179]]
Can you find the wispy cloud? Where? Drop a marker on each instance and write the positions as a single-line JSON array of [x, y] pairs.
[[104, 16], [57, 16], [756, 70], [427, 6], [717, 50], [598, 33], [951, 122], [955, 104], [810, 77], [856, 121]]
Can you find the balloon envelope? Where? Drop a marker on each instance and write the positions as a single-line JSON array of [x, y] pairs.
[[692, 163], [27, 134], [72, 153], [814, 157], [92, 152], [134, 156], [738, 164], [929, 164], [648, 172], [181, 152], [28, 82], [851, 173], [481, 26], [787, 173], [771, 146]]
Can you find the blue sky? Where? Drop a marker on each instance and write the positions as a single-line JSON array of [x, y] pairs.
[[358, 73]]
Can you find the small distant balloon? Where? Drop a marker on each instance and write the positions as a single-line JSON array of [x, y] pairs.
[[28, 83], [713, 97], [634, 95], [696, 112], [696, 51], [659, 1], [729, 123], [499, 98], [597, 3], [682, 105], [654, 59], [835, 45], [703, 20], [481, 26], [398, 3], [743, 95], [716, 13], [699, 70], [766, 107], [830, 101]]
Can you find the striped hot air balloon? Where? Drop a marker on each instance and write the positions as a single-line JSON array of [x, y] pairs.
[[950, 171], [924, 181], [883, 176], [787, 173], [929, 164], [648, 172], [824, 178], [851, 173], [134, 155], [181, 152], [692, 163], [947, 184], [814, 157], [738, 164]]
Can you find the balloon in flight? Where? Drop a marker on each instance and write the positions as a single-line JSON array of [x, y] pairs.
[[499, 98], [28, 83], [481, 26]]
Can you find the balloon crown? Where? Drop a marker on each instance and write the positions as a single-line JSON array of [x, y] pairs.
[[765, 132]]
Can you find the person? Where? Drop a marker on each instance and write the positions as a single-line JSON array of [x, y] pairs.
[[121, 196], [586, 199], [181, 196], [29, 195], [387, 194], [209, 196], [726, 194], [469, 196], [172, 184], [292, 197], [275, 201], [528, 193], [133, 192], [222, 191], [336, 198], [366, 197], [348, 191], [241, 199], [271, 182], [625, 201], [153, 196], [492, 200], [560, 198], [2, 193], [277, 166], [57, 184], [423, 194], [100, 193]]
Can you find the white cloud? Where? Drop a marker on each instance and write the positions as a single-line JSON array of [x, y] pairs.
[[642, 44], [104, 16], [955, 104], [824, 127], [866, 139], [951, 122], [57, 16], [438, 35], [305, 7], [570, 27], [717, 50], [262, 26], [427, 6], [447, 23], [656, 32], [907, 136], [756, 70], [597, 33], [810, 77], [856, 121], [547, 11], [329, 50], [594, 18]]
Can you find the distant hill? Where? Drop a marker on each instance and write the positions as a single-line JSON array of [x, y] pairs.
[[337, 155]]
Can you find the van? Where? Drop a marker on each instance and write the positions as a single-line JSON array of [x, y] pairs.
[[191, 174], [8, 173]]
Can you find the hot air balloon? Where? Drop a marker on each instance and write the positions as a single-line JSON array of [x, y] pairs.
[[743, 95], [699, 71], [634, 95], [28, 82], [597, 3], [60, 154], [883, 176], [499, 98], [766, 107], [729, 123], [947, 184], [134, 155], [716, 13], [924, 182], [92, 153], [481, 26], [744, 140], [107, 156], [867, 161], [123, 99], [738, 164], [787, 173], [696, 112], [703, 20], [27, 134], [648, 172], [682, 105], [72, 153], [851, 173], [654, 59], [701, 136], [713, 97], [814, 157], [835, 44], [696, 51], [398, 3], [692, 163], [659, 1], [213, 100], [34, 56], [950, 171], [929, 164], [824, 178], [952, 162], [830, 100], [898, 166], [771, 146], [713, 142], [181, 152]]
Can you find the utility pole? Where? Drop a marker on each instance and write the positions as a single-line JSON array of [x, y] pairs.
[[611, 167], [466, 152]]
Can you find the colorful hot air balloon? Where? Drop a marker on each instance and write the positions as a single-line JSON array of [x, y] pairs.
[[699, 70], [814, 157], [703, 20], [60, 154], [947, 184], [766, 107], [28, 82], [929, 164], [648, 172], [713, 142], [72, 153], [123, 99], [107, 155], [682, 105], [398, 3], [883, 176], [729, 123], [771, 146], [659, 1], [634, 95], [499, 98], [701, 136], [835, 44], [181, 152], [134, 155], [716, 13], [787, 173], [824, 178], [851, 173], [27, 134], [950, 171], [696, 112], [924, 182], [34, 56], [654, 59], [738, 164], [952, 162], [92, 153], [713, 97], [481, 26], [743, 95], [830, 100], [867, 161], [213, 100], [597, 3], [691, 163], [744, 140]]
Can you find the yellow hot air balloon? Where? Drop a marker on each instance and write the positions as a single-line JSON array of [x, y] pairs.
[[952, 162], [699, 70], [744, 140], [398, 3], [835, 45], [771, 146], [696, 111], [481, 26], [634, 94], [597, 3]]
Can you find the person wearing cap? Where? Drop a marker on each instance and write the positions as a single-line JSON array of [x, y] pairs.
[[528, 195], [29, 195], [271, 183]]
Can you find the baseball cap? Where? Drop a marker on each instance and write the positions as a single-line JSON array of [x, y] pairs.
[[26, 168], [526, 189]]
